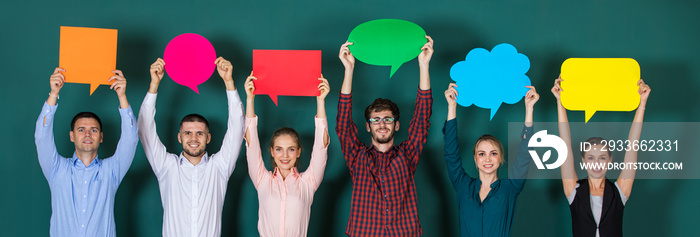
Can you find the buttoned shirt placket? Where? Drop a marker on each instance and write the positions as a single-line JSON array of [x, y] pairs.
[[194, 189], [83, 178]]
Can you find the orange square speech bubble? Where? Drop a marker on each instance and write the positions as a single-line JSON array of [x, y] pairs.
[[89, 55]]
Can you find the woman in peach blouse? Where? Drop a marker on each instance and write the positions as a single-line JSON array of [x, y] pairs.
[[284, 194]]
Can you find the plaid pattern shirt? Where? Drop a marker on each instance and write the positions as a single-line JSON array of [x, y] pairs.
[[384, 191]]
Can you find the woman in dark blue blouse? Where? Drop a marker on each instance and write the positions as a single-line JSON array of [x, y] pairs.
[[486, 203]]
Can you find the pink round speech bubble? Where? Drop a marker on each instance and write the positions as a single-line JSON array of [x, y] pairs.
[[189, 60]]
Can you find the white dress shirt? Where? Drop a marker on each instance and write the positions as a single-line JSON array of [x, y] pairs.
[[192, 195]]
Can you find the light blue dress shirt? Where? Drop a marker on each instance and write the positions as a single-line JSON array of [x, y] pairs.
[[82, 198]]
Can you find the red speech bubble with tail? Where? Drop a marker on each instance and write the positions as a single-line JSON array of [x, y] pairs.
[[286, 72]]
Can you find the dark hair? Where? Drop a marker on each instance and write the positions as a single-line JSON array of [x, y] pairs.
[[595, 141], [494, 141], [285, 131], [195, 118], [85, 115], [380, 105]]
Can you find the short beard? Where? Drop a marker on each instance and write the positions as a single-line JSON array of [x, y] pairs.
[[386, 140], [198, 154]]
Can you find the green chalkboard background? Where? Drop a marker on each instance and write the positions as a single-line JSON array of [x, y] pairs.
[[663, 36]]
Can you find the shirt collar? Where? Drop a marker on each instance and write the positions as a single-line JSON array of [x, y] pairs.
[[205, 158], [79, 163], [373, 148], [276, 172]]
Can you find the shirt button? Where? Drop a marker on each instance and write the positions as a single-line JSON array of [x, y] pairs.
[[83, 210], [387, 210], [84, 196], [83, 226], [384, 195], [86, 181]]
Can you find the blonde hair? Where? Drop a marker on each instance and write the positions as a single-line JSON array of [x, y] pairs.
[[494, 141]]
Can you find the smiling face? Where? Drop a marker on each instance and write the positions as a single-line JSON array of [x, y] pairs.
[[194, 137], [487, 156], [383, 131], [86, 135], [285, 151], [599, 157]]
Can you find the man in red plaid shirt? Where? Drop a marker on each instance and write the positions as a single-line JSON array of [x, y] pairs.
[[384, 191]]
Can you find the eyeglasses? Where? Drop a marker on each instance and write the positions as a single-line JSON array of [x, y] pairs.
[[386, 120]]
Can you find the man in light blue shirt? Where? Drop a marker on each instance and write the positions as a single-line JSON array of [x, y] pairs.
[[83, 186]]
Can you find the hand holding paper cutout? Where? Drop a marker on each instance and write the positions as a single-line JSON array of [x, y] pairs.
[[387, 42], [531, 97], [644, 91], [118, 83], [346, 56], [225, 69], [600, 84], [323, 88], [89, 55], [488, 79], [56, 82], [250, 86], [286, 72], [426, 52], [157, 71]]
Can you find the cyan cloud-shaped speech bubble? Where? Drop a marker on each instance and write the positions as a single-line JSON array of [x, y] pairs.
[[488, 79]]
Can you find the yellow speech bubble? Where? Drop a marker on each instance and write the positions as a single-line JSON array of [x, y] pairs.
[[600, 84]]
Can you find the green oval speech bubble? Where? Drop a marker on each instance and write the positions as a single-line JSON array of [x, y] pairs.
[[387, 42]]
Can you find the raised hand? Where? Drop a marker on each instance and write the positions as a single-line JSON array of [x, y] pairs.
[[427, 52], [531, 97], [324, 88], [346, 56], [644, 91], [451, 95], [224, 68], [118, 83], [157, 71], [250, 86], [556, 89], [56, 81]]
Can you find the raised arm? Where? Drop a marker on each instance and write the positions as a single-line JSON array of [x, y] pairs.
[[418, 127], [518, 172], [256, 167], [455, 170], [344, 126], [250, 97], [231, 145], [324, 88], [128, 140], [43, 133], [568, 172], [57, 80], [119, 86], [626, 178], [154, 149], [157, 72], [424, 63], [349, 63], [319, 152]]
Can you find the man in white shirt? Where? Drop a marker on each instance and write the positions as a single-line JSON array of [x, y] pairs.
[[193, 183]]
